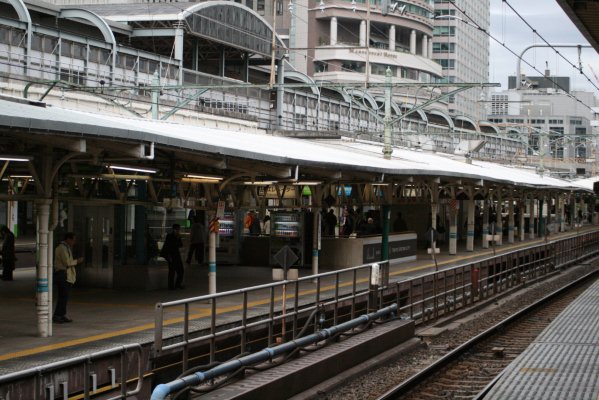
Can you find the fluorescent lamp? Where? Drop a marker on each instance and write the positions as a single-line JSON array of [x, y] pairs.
[[21, 176], [260, 183], [200, 180], [135, 169], [307, 183], [15, 158], [203, 176]]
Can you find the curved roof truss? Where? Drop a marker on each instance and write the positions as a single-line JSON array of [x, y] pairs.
[[366, 97], [93, 18], [468, 120], [408, 107], [443, 115], [232, 24], [302, 78]]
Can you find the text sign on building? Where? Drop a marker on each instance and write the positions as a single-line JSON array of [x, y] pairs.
[[397, 249]]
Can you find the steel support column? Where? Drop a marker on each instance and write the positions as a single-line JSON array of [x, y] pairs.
[[470, 230], [42, 271]]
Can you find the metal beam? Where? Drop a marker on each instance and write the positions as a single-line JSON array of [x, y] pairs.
[[154, 32], [183, 103]]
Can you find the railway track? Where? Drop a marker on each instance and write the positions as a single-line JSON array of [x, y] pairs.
[[467, 370]]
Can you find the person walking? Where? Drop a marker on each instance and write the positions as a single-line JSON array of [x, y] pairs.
[[196, 241], [171, 253], [65, 276], [8, 253]]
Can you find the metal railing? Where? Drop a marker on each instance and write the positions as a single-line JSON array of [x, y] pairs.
[[265, 306], [344, 294], [430, 296], [44, 387]]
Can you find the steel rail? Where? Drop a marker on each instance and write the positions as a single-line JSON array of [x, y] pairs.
[[419, 377]]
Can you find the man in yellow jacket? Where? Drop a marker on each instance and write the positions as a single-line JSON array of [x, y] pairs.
[[65, 275]]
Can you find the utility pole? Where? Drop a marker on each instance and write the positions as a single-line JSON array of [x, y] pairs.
[[367, 41], [541, 153], [387, 121], [273, 51], [155, 94], [292, 33]]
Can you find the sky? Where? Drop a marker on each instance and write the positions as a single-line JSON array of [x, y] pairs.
[[551, 22]]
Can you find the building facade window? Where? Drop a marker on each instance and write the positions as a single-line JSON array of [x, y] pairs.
[[443, 47], [446, 64], [444, 31]]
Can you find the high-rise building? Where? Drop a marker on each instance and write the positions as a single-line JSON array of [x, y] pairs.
[[463, 50], [358, 40], [555, 125]]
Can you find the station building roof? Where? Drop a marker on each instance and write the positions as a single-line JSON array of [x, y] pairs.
[[585, 15], [221, 21], [586, 183], [340, 155]]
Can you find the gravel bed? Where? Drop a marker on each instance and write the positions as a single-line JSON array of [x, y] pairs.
[[374, 383]]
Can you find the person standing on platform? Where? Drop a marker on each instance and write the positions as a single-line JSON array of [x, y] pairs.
[[399, 225], [255, 228], [330, 222], [266, 226], [196, 241], [65, 275], [171, 253], [8, 253]]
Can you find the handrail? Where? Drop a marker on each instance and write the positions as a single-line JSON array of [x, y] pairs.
[[85, 360], [163, 390], [429, 295], [277, 315]]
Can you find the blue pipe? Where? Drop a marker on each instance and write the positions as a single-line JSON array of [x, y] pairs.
[[164, 389]]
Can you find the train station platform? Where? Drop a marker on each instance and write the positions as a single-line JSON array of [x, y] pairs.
[[106, 318], [563, 362]]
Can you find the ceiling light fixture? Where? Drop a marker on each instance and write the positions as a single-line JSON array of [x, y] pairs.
[[307, 183], [134, 169], [204, 176], [15, 158], [259, 183]]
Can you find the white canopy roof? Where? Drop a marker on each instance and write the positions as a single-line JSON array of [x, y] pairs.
[[586, 183], [338, 155]]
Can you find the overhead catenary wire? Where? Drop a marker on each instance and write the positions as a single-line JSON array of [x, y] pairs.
[[557, 52], [502, 44]]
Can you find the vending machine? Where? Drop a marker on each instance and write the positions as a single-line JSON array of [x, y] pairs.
[[287, 229], [227, 244]]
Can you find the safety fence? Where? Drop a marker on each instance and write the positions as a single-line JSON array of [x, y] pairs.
[[220, 327], [286, 310], [430, 296], [97, 368]]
